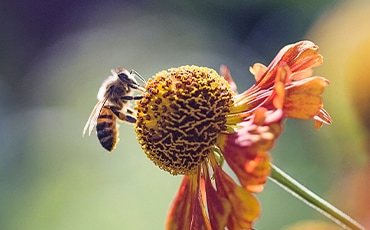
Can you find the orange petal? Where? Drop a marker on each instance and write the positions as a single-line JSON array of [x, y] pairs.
[[187, 211], [296, 76], [278, 99], [279, 87], [258, 70], [322, 117], [251, 172], [180, 211], [299, 56], [245, 208], [199, 216], [303, 98], [293, 63], [245, 151], [219, 208]]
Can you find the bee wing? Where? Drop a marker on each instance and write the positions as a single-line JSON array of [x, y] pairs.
[[91, 122]]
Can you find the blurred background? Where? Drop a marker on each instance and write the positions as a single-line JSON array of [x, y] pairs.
[[55, 54]]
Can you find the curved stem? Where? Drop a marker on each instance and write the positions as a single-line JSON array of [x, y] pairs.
[[311, 199]]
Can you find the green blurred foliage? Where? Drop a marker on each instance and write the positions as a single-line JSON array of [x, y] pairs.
[[54, 57]]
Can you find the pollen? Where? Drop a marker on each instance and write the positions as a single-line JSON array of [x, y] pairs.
[[181, 115]]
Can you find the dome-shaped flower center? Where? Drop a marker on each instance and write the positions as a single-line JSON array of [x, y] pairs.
[[181, 115]]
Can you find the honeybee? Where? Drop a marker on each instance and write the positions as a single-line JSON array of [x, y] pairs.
[[113, 98]]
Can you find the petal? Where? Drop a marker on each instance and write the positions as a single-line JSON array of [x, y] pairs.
[[296, 76], [219, 208], [272, 98], [308, 58], [322, 117], [180, 211], [187, 210], [225, 72], [246, 150], [251, 168], [279, 87], [279, 97], [245, 208], [258, 70], [199, 216], [299, 57], [303, 98], [294, 89]]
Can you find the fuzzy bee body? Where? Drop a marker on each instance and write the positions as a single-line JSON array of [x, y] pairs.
[[106, 129], [113, 102]]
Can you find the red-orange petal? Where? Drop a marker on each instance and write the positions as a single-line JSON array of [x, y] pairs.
[[246, 151], [199, 216], [245, 208], [251, 169], [187, 210], [180, 211], [219, 208], [299, 56]]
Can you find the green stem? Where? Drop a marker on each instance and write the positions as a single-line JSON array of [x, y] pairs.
[[311, 199]]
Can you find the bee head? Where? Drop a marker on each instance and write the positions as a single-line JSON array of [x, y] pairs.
[[128, 78], [124, 75]]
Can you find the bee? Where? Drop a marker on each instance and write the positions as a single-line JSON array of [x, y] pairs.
[[113, 99]]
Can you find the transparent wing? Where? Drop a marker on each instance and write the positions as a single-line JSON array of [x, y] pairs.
[[91, 122]]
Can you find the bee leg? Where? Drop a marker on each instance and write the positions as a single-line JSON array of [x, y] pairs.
[[130, 118], [133, 85], [128, 98], [131, 111], [136, 86]]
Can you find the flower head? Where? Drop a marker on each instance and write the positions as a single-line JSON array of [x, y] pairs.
[[181, 116], [190, 119]]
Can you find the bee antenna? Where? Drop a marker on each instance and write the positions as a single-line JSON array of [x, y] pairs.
[[136, 74]]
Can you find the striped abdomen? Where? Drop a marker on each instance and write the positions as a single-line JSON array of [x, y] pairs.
[[106, 129]]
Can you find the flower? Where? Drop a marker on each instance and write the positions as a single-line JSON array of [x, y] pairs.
[[191, 119]]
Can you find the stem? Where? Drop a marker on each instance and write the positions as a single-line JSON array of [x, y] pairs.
[[302, 193]]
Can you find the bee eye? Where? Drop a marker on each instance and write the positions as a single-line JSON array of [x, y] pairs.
[[124, 78]]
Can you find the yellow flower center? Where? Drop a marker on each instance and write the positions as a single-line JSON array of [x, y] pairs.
[[179, 119]]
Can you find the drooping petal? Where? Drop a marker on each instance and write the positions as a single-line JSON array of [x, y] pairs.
[[180, 211], [199, 216], [245, 208], [246, 150], [219, 207], [187, 210]]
